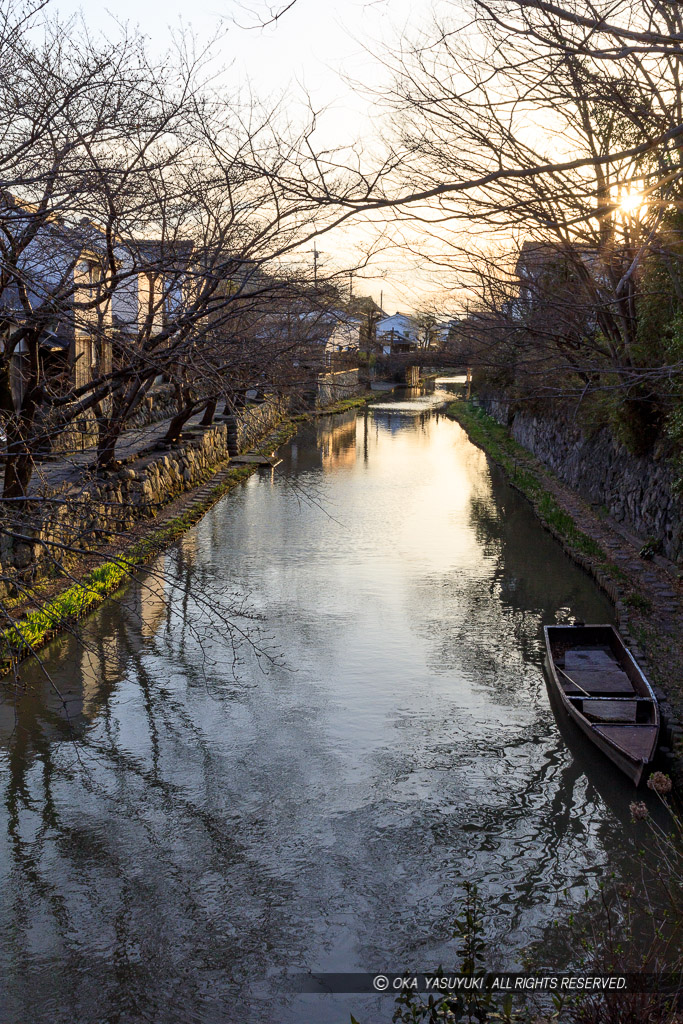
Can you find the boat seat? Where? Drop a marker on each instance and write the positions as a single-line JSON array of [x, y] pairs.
[[589, 657], [597, 671], [574, 697], [599, 683], [611, 710]]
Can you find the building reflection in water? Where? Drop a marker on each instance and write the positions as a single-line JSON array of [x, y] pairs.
[[147, 610], [336, 436], [99, 669], [328, 443]]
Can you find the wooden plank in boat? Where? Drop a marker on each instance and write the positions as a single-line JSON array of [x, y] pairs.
[[636, 740], [591, 658], [611, 710], [603, 655], [603, 681]]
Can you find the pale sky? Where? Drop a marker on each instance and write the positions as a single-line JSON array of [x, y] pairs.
[[303, 52]]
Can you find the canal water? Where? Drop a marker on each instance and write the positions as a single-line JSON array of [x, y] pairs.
[[289, 746]]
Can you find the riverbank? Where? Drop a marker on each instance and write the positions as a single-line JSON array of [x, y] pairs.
[[646, 598], [56, 604]]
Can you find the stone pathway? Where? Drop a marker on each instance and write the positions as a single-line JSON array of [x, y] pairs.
[[656, 581]]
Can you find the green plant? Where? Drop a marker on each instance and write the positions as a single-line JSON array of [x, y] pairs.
[[39, 626], [621, 943], [468, 1005], [612, 941], [565, 526], [639, 601], [674, 433], [35, 628], [638, 419]]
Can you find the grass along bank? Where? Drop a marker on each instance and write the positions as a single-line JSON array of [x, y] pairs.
[[648, 612], [343, 405], [495, 440]]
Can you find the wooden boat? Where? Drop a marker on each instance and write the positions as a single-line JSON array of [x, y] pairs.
[[604, 692]]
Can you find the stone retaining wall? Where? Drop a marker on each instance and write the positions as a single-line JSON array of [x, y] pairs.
[[636, 491], [333, 387], [249, 424], [158, 404], [107, 505], [80, 516]]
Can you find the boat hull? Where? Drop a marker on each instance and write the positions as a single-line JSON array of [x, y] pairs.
[[640, 738]]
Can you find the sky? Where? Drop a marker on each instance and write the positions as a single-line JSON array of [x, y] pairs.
[[313, 48]]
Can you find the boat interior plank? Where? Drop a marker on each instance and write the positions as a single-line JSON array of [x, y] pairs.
[[611, 710], [612, 681], [589, 658], [638, 741]]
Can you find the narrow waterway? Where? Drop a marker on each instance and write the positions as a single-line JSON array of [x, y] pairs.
[[323, 711]]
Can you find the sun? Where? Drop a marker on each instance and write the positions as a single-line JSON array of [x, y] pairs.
[[632, 201]]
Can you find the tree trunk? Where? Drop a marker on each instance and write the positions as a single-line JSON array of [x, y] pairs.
[[176, 425], [21, 443], [106, 445], [110, 425], [18, 470], [209, 412]]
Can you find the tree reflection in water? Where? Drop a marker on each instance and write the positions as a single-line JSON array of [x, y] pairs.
[[85, 877]]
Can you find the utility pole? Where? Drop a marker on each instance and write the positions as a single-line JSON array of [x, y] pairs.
[[316, 254], [350, 285]]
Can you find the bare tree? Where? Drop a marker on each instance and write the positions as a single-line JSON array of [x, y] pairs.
[[540, 158], [141, 219], [146, 235]]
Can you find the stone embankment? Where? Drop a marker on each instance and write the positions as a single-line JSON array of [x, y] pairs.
[[159, 404], [78, 516], [335, 387], [246, 427], [638, 492], [80, 510], [130, 516]]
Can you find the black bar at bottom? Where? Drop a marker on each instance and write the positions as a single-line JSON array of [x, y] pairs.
[[387, 983]]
